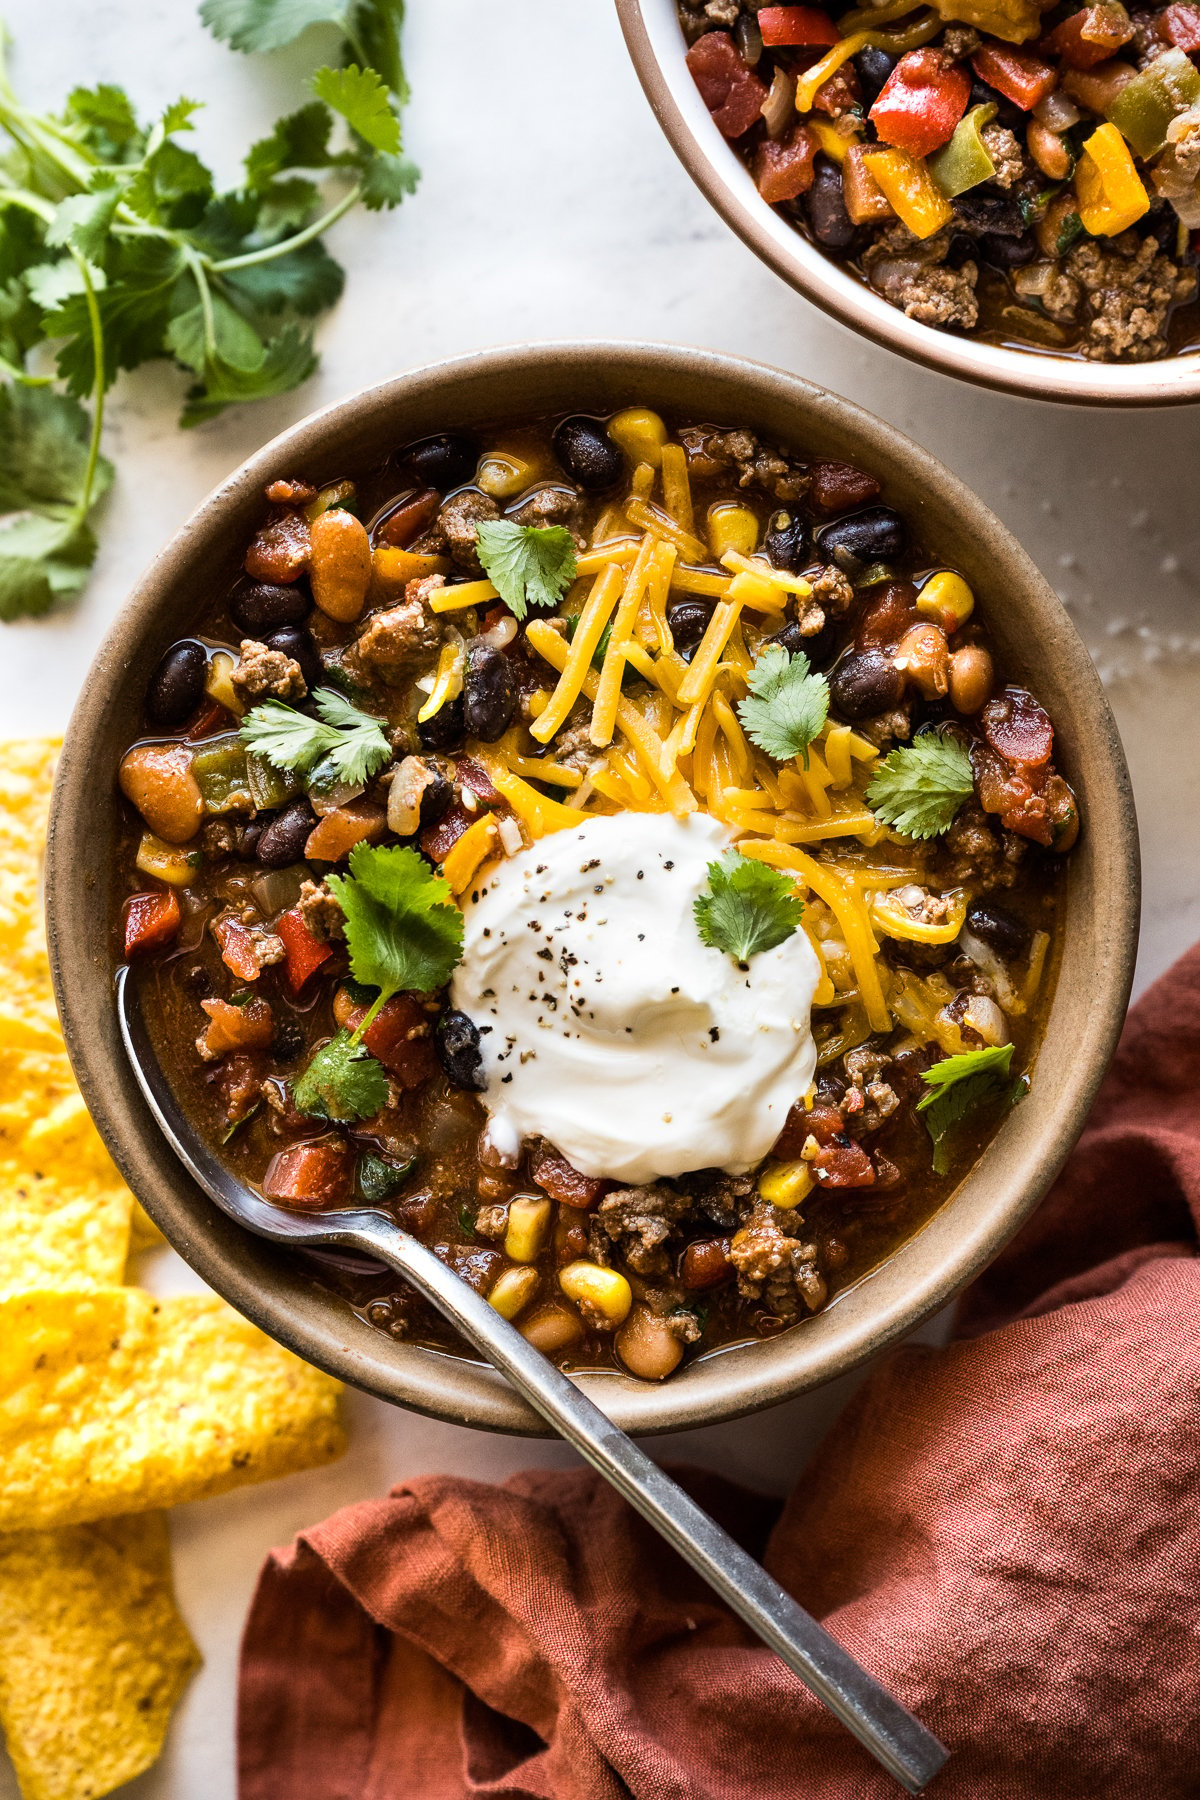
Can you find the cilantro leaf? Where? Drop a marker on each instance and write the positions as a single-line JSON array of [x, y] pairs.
[[961, 1083], [529, 565], [298, 141], [355, 744], [787, 704], [84, 220], [267, 24], [748, 907], [920, 787], [387, 180], [342, 1082], [403, 930], [286, 361], [105, 122], [362, 99], [46, 547]]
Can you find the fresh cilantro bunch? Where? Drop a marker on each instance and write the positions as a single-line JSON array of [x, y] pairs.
[[528, 565], [116, 248], [920, 787], [787, 704], [959, 1085], [353, 744], [748, 907]]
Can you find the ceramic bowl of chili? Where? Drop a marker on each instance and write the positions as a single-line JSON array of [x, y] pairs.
[[1033, 641]]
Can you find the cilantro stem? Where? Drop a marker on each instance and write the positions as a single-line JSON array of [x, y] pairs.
[[84, 503], [368, 1018], [286, 245]]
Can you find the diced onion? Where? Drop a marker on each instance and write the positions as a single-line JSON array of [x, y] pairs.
[[1057, 111]]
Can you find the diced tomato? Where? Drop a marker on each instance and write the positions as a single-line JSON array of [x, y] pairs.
[[563, 1182], [335, 835], [400, 1036], [151, 920], [1088, 37], [1018, 728], [840, 94], [237, 949], [247, 1027], [807, 25], [212, 716], [1016, 794], [705, 1264], [732, 93], [843, 1164], [473, 775], [922, 101], [820, 1122], [888, 617], [783, 171], [305, 953], [410, 519], [281, 549], [312, 1174], [437, 840], [1016, 74], [835, 486], [1181, 25]]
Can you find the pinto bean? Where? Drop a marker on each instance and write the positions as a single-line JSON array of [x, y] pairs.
[[647, 1345], [158, 779], [971, 678], [340, 564], [923, 656], [337, 833]]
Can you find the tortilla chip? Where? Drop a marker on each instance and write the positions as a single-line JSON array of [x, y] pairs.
[[113, 1402], [143, 1232], [93, 1654], [60, 1232]]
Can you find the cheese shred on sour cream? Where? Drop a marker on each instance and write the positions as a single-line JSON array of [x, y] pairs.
[[609, 1027]]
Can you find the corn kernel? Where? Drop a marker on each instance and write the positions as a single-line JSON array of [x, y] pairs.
[[603, 1296], [946, 598], [173, 863], [732, 527], [503, 476], [785, 1184], [528, 1223], [218, 685], [640, 433], [512, 1291]]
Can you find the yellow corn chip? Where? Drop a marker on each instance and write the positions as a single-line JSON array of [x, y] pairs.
[[61, 1230], [143, 1232], [93, 1654], [112, 1402]]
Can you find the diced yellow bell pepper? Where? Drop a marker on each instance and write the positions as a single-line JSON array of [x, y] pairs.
[[946, 599], [173, 863], [218, 683], [392, 570], [464, 857], [1107, 185], [503, 475], [833, 142], [906, 183]]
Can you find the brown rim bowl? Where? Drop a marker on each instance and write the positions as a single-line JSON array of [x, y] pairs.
[[1037, 642], [657, 47]]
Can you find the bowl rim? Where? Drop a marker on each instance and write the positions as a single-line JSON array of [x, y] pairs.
[[270, 1286], [725, 181]]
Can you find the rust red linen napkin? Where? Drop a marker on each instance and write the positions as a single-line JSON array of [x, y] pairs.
[[1005, 1531]]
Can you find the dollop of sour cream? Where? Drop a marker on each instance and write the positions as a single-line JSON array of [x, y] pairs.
[[609, 1027]]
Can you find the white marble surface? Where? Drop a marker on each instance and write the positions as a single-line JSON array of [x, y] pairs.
[[551, 206]]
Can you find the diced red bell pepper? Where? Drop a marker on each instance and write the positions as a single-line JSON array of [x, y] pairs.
[[312, 1174], [1018, 729], [836, 486], [783, 171], [237, 949], [399, 1036], [1090, 36], [1016, 74], [843, 1164], [807, 25], [562, 1181], [410, 519], [438, 840], [732, 93], [1181, 25], [304, 952], [151, 920], [922, 101]]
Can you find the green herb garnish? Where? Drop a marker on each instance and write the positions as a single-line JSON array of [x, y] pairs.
[[354, 744], [379, 1177], [748, 907], [960, 1084], [342, 1082], [403, 929], [51, 476], [528, 565], [787, 705], [920, 787]]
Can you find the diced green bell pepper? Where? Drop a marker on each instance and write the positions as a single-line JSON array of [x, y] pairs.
[[964, 162], [1146, 105], [222, 775], [379, 1177], [270, 787]]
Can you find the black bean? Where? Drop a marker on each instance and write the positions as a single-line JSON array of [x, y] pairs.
[[877, 534], [445, 461], [288, 1041], [1008, 252], [818, 648], [688, 620], [999, 930], [177, 685], [447, 728], [997, 215], [489, 696], [436, 797], [786, 544], [864, 683], [874, 66], [1008, 113], [456, 1040], [284, 839], [247, 835], [298, 643], [825, 206], [588, 454], [266, 605]]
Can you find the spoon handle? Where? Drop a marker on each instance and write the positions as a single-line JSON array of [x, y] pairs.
[[879, 1722]]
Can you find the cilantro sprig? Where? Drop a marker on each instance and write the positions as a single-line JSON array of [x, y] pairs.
[[353, 744], [921, 786], [118, 248], [341, 1083], [959, 1085], [528, 565], [747, 907], [787, 704]]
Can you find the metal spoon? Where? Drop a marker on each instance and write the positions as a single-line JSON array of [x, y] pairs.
[[891, 1733]]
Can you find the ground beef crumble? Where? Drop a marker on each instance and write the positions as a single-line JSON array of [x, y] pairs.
[[774, 1266], [913, 274], [638, 1221], [321, 912], [399, 639], [264, 674], [1128, 289]]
